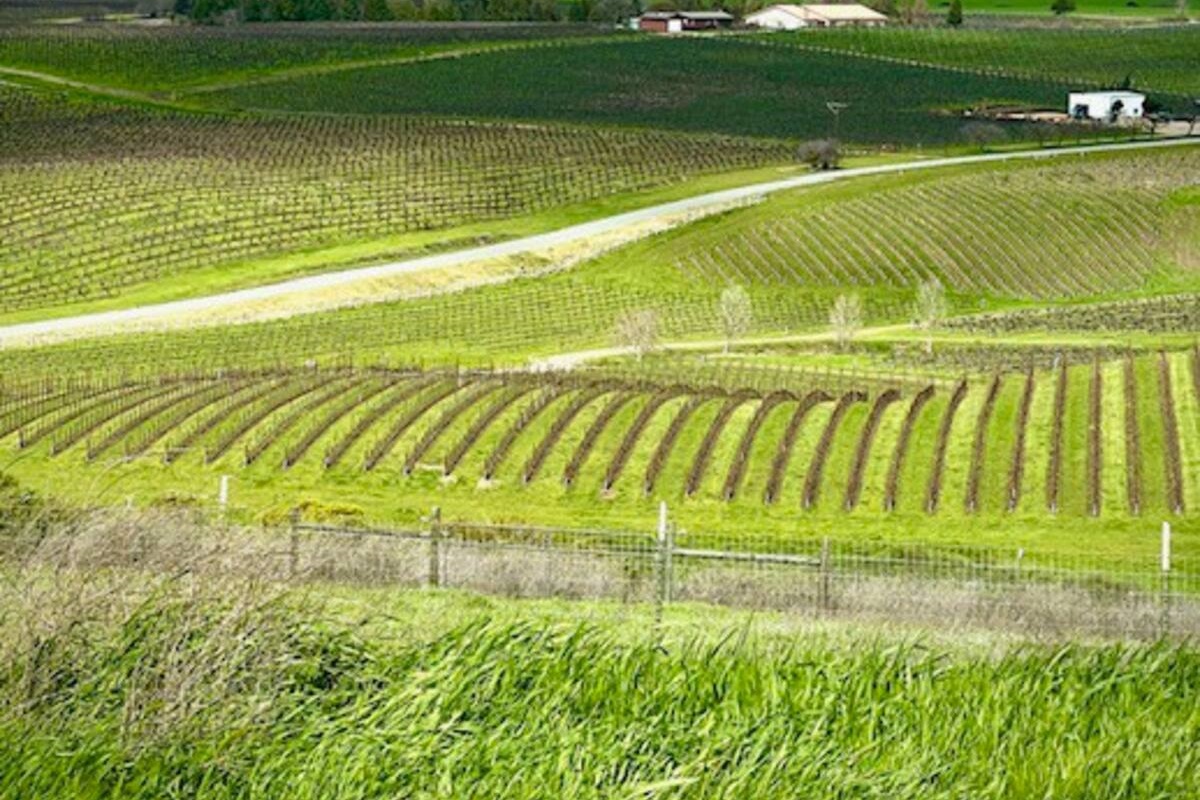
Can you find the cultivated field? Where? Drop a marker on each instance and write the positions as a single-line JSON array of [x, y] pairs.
[[732, 85], [1164, 60], [1112, 439], [855, 482], [105, 199]]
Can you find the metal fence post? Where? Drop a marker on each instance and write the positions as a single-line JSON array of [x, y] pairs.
[[435, 547], [294, 543], [823, 598], [664, 557], [1165, 583]]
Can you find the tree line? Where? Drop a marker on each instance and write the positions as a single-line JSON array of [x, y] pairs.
[[212, 11]]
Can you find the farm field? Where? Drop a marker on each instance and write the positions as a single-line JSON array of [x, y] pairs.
[[794, 253], [161, 60], [94, 213], [479, 409], [1156, 59], [693, 85], [591, 449]]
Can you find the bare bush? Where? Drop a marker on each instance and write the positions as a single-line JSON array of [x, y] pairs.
[[846, 319], [821, 153], [639, 331]]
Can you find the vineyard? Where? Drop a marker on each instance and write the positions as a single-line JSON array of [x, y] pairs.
[[727, 85], [181, 58], [1118, 439], [99, 199], [1066, 230], [1162, 59]]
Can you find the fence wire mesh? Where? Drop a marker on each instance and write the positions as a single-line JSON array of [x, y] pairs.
[[1015, 589]]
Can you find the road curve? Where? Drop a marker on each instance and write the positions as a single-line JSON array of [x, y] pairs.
[[163, 312]]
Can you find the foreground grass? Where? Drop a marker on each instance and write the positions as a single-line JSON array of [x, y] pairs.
[[355, 694]]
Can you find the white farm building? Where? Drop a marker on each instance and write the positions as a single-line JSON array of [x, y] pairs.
[[786, 17], [1106, 106]]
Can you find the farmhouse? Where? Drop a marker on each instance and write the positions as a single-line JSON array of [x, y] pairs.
[[683, 21], [788, 17], [1107, 106]]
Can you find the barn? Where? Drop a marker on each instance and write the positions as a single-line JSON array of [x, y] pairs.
[[683, 21], [1106, 106], [787, 17]]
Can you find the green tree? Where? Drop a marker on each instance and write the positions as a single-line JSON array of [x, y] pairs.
[[954, 17], [1060, 7], [377, 11]]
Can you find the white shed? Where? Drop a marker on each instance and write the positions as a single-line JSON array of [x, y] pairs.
[[778, 18], [1106, 106], [787, 17]]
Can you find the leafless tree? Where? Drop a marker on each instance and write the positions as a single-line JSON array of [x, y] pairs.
[[930, 309], [846, 318], [821, 153], [982, 134], [735, 313], [638, 330]]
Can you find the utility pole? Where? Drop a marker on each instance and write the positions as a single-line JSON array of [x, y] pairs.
[[836, 109]]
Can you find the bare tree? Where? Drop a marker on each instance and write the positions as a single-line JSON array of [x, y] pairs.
[[930, 309], [982, 134], [846, 318], [820, 153], [638, 330], [734, 313]]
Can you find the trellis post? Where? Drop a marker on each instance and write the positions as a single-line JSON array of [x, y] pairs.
[[823, 587], [1165, 579], [435, 547]]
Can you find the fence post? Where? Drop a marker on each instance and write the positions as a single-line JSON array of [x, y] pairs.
[[664, 557], [435, 547], [823, 598], [293, 543], [1165, 583]]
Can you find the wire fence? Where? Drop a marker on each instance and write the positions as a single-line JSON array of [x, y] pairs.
[[1010, 589], [1151, 593]]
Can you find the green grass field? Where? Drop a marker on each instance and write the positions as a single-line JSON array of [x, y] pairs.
[[1156, 59], [225, 689]]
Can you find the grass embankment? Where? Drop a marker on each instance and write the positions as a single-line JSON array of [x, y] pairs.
[[216, 688]]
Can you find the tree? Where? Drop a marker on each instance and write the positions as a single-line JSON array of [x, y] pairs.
[[611, 11], [982, 134], [638, 330], [846, 318], [930, 309], [377, 11], [734, 312], [913, 12], [1060, 7], [954, 17], [820, 153]]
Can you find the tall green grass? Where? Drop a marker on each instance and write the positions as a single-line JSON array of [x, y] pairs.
[[194, 694]]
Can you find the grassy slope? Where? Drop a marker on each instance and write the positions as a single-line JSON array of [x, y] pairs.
[[417, 694]]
